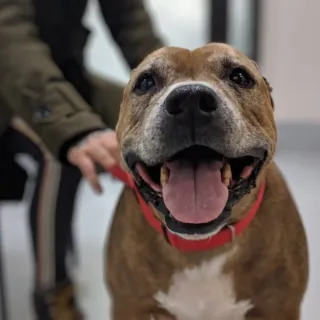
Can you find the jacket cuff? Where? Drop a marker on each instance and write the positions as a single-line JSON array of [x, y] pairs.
[[63, 154], [70, 129]]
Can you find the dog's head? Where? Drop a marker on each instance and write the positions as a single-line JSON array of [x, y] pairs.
[[196, 129]]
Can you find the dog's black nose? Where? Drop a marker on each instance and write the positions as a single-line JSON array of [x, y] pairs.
[[196, 100]]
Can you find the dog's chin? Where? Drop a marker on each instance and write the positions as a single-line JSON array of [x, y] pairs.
[[197, 236], [198, 187]]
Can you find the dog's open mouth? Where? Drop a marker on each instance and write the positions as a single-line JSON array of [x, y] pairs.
[[197, 183]]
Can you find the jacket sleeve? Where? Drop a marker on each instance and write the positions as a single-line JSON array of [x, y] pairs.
[[33, 87], [131, 28]]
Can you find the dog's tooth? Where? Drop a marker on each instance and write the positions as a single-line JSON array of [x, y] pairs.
[[246, 172], [164, 175], [226, 182], [226, 174], [226, 171]]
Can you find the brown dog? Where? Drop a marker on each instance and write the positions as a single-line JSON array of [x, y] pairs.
[[197, 133]]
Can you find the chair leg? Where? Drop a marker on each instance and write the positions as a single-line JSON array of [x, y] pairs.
[[3, 300]]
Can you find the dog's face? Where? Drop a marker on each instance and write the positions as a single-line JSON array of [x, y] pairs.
[[196, 129]]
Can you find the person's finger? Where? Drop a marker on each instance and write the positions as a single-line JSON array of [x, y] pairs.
[[114, 150], [111, 143], [88, 169], [102, 156]]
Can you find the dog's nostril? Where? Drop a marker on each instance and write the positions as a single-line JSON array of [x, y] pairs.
[[175, 106], [207, 104]]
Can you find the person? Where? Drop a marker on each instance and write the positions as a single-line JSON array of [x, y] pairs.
[[68, 120]]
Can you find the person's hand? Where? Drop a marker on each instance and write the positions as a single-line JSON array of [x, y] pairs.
[[98, 148]]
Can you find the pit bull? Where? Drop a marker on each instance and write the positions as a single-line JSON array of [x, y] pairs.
[[210, 230]]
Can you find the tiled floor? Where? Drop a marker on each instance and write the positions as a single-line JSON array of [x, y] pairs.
[[93, 218]]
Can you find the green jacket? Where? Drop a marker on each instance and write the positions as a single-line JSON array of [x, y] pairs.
[[41, 62]]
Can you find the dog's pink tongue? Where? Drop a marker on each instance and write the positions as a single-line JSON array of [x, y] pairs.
[[195, 193]]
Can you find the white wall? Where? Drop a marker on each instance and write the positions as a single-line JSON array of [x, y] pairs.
[[180, 22], [291, 57], [290, 46]]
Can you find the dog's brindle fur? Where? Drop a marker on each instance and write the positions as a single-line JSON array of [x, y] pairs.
[[269, 267]]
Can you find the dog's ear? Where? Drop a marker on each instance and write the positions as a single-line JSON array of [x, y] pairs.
[[255, 63], [267, 83], [270, 91]]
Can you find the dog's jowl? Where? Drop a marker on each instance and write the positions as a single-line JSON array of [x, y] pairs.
[[210, 230]]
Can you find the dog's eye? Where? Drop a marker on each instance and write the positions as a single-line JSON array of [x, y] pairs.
[[144, 84], [241, 78]]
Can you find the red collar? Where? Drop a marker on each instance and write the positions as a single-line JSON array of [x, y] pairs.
[[224, 236]]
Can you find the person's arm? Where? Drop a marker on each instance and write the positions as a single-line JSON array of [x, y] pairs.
[[34, 87], [131, 28]]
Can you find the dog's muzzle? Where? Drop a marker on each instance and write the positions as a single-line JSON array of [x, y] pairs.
[[195, 141]]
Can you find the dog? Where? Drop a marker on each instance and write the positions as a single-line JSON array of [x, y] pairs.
[[197, 134]]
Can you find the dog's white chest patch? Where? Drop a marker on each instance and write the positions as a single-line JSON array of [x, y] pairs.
[[204, 293]]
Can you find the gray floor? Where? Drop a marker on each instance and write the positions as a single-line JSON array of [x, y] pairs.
[[297, 160]]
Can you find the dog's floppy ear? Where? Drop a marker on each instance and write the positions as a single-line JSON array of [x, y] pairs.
[[267, 83], [256, 64], [270, 91]]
